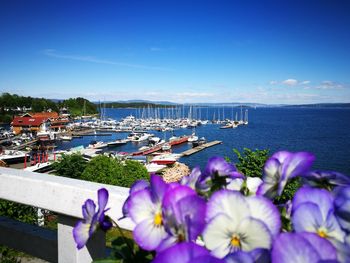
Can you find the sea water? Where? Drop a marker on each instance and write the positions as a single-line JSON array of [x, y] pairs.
[[322, 131]]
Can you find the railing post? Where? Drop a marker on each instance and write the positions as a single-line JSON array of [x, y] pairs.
[[67, 250]]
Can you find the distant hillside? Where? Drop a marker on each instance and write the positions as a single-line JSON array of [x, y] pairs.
[[135, 105], [321, 105], [13, 104]]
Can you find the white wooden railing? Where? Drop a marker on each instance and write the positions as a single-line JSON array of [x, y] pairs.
[[63, 196]]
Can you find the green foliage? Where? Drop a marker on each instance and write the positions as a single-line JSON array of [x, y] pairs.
[[71, 166], [291, 187], [102, 169], [19, 212], [251, 163], [79, 106], [37, 104]]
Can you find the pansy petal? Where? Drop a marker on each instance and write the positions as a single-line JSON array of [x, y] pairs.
[[297, 164], [281, 156], [324, 248], [334, 229], [102, 199], [89, 210], [342, 206], [320, 197], [81, 234], [293, 248], [253, 184], [141, 206], [139, 185], [229, 202], [218, 165], [217, 235], [239, 257], [307, 217], [158, 188], [234, 184], [255, 233], [264, 210], [192, 178], [186, 252], [148, 236]]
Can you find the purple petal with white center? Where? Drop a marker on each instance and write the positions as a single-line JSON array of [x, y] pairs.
[[219, 165], [297, 164], [89, 210], [253, 184], [320, 197], [148, 236], [186, 252], [141, 206], [217, 235], [293, 248], [81, 234], [229, 202], [167, 242], [239, 257], [342, 206], [192, 178], [158, 188], [202, 182], [307, 217], [324, 248], [255, 233], [281, 156], [139, 185], [264, 210], [271, 178]]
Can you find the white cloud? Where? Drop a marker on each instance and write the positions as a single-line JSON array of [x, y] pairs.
[[327, 84], [290, 82], [305, 82], [273, 82]]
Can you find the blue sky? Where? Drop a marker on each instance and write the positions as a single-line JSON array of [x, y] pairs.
[[182, 51]]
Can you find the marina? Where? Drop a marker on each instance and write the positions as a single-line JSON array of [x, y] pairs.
[[200, 148]]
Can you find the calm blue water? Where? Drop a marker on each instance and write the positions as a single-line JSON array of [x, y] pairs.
[[325, 132]]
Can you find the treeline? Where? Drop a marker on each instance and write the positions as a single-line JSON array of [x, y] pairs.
[[78, 106], [13, 104], [134, 105]]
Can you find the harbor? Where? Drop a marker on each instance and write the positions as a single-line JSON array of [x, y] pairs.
[[158, 138]]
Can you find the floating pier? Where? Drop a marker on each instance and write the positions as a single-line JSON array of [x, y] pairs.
[[200, 148]]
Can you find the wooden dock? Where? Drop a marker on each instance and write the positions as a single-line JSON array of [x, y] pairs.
[[200, 148]]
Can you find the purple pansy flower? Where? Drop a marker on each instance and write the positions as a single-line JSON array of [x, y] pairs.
[[217, 167], [145, 210], [313, 211], [342, 206], [137, 186], [186, 252], [192, 178], [93, 219], [280, 168], [184, 215], [324, 178], [236, 222], [302, 247]]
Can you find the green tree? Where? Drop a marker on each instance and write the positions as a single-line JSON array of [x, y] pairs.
[[251, 163], [103, 169], [71, 166]]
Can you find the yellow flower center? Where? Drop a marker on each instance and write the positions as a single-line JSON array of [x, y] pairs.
[[322, 233], [158, 219], [235, 242]]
